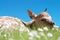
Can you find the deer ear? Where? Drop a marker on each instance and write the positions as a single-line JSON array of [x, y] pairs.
[[31, 14], [45, 10]]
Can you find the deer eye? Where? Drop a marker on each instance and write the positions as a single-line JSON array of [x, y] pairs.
[[43, 19]]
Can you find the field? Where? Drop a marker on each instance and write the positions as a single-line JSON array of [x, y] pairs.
[[30, 34]]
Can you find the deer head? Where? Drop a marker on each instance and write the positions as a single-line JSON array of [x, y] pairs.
[[42, 19]]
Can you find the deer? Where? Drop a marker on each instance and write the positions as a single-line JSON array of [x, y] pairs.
[[43, 19]]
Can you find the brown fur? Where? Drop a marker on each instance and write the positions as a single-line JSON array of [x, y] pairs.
[[42, 19]]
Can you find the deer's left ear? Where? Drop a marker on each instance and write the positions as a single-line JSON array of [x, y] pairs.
[[31, 14]]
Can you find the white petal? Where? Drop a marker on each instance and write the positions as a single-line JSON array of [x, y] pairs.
[[5, 35], [45, 28], [50, 35], [58, 38], [40, 29]]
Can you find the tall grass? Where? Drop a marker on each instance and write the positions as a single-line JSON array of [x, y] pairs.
[[39, 34]]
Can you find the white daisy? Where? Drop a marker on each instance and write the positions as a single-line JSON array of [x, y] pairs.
[[58, 38], [45, 28], [50, 35], [40, 29]]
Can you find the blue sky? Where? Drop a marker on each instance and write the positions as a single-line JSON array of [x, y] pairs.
[[18, 8]]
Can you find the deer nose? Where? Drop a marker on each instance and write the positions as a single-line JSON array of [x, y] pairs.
[[53, 23], [50, 22]]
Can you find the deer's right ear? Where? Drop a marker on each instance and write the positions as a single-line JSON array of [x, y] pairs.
[[31, 14], [45, 10]]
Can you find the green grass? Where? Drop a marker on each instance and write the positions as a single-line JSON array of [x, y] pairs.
[[17, 35]]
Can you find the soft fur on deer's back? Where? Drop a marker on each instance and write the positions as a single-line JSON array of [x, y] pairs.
[[10, 23]]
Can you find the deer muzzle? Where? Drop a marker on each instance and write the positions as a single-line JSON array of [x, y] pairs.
[[50, 22]]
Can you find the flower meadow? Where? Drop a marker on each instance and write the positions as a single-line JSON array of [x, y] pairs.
[[13, 29], [30, 34]]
